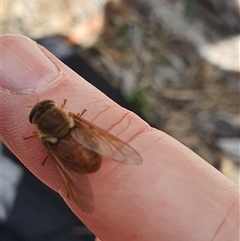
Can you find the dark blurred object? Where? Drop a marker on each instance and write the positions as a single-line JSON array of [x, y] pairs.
[[39, 213], [62, 49], [8, 233]]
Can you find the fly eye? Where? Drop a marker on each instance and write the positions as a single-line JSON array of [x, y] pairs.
[[39, 109]]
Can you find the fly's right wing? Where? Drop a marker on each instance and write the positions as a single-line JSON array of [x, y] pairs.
[[77, 186]]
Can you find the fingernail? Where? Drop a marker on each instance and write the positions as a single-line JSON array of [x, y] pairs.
[[25, 68]]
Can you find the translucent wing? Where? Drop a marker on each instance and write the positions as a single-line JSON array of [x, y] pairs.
[[78, 188], [100, 141]]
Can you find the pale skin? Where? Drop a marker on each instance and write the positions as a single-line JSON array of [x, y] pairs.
[[172, 195]]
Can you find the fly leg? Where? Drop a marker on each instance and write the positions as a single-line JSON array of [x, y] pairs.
[[45, 159], [64, 103], [80, 114]]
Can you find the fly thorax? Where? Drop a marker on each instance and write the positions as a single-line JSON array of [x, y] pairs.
[[54, 125]]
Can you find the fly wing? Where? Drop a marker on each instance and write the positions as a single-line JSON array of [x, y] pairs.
[[100, 141], [78, 188]]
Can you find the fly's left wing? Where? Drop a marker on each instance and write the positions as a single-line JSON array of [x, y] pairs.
[[100, 141]]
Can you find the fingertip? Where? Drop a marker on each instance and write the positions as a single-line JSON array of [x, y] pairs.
[[25, 68]]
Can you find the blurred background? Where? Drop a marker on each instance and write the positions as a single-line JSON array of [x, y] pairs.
[[173, 62]]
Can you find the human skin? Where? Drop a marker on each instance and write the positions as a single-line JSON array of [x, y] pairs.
[[172, 195]]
